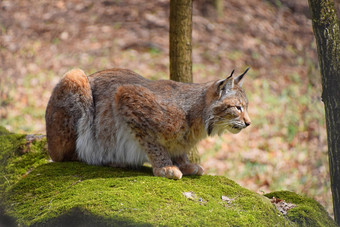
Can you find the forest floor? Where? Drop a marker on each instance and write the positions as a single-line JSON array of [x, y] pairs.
[[284, 149]]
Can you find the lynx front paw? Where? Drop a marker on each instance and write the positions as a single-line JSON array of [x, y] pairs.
[[171, 172], [191, 169]]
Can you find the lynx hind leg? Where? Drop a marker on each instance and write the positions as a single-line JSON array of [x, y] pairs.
[[186, 167], [70, 99], [191, 169]]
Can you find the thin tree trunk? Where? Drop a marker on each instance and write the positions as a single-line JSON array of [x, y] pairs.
[[326, 31], [219, 5], [181, 49], [180, 40]]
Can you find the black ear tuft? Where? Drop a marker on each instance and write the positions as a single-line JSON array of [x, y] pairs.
[[231, 74], [239, 79], [228, 83]]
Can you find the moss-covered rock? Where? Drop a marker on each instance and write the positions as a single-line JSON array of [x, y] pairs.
[[307, 211], [35, 191]]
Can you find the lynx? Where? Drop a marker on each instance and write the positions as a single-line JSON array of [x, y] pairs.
[[116, 117]]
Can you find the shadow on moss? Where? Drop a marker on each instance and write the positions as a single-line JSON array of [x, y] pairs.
[[6, 220], [79, 218]]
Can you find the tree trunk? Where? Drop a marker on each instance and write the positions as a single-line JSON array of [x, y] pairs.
[[181, 49], [326, 31], [219, 4], [180, 40]]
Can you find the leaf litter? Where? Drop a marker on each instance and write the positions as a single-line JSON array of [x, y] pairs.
[[281, 205]]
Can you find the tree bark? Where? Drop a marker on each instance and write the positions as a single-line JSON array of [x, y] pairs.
[[180, 40], [219, 4], [180, 49], [327, 35]]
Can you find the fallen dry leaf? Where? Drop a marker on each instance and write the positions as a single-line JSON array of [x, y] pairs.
[[282, 206]]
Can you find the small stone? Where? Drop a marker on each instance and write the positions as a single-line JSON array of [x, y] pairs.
[[225, 199], [189, 195], [64, 35]]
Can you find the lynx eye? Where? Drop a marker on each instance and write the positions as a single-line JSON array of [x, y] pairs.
[[239, 108]]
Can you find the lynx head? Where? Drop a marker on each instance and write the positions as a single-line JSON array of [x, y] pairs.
[[228, 106]]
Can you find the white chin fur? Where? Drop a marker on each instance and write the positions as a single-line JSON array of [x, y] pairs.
[[234, 130], [220, 131]]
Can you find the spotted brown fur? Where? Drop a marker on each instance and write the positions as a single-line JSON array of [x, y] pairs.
[[118, 118]]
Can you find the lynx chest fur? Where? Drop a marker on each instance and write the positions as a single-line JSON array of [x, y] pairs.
[[116, 117]]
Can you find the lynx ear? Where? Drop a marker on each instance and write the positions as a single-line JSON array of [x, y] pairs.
[[239, 80], [226, 84]]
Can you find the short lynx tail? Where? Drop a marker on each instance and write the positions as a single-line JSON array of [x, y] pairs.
[[71, 99]]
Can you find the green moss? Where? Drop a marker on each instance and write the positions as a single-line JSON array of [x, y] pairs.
[[18, 157], [54, 189], [9, 146], [35, 191], [307, 212], [3, 131]]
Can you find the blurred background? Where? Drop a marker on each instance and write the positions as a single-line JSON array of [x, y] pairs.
[[284, 149]]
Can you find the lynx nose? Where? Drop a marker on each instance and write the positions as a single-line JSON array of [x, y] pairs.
[[246, 119]]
